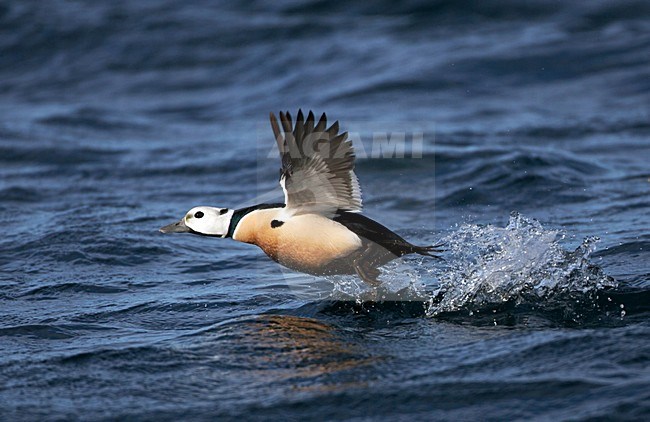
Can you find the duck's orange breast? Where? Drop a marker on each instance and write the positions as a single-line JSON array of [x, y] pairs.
[[307, 242]]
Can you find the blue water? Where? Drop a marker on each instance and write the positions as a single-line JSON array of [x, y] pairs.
[[118, 117]]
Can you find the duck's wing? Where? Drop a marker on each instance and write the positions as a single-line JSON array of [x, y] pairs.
[[317, 173]]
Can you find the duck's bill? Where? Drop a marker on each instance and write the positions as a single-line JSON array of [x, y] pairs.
[[178, 227]]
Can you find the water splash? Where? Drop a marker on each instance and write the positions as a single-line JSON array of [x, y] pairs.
[[401, 281], [522, 262], [486, 267]]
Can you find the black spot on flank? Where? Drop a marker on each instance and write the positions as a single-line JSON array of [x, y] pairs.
[[198, 214], [276, 223], [223, 211]]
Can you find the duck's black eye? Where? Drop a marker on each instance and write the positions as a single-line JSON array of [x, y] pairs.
[[223, 211], [198, 214]]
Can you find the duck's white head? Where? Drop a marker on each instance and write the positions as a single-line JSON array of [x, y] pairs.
[[208, 221]]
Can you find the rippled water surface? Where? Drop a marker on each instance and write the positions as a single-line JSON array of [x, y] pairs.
[[117, 117]]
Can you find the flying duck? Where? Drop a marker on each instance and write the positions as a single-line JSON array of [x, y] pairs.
[[319, 229]]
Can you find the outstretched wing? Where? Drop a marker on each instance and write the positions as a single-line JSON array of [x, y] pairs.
[[317, 173]]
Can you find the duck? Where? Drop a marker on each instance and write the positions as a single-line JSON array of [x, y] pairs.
[[319, 229]]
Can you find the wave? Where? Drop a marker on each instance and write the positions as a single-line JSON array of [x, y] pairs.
[[94, 119], [483, 176], [41, 331], [86, 40], [70, 287], [20, 194], [81, 247], [54, 155]]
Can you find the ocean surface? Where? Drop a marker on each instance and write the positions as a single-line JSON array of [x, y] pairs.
[[519, 136]]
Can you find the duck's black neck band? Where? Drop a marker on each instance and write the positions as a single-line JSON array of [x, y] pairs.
[[240, 213]]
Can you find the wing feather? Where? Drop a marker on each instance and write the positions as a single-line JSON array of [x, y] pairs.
[[317, 173], [276, 133]]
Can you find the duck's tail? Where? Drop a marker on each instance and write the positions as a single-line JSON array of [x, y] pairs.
[[429, 250]]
